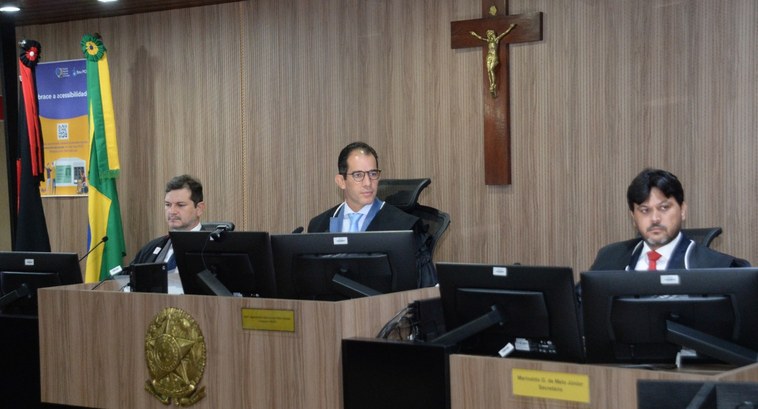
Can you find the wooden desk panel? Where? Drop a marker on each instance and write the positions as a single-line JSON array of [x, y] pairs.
[[483, 382], [92, 347]]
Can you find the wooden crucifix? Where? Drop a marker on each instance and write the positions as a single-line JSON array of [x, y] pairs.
[[494, 32]]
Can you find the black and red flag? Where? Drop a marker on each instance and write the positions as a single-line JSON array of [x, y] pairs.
[[31, 227]]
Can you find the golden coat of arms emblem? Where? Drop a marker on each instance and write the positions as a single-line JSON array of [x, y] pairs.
[[175, 354]]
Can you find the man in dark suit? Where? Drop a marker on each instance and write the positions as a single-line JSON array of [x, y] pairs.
[[656, 204], [183, 206], [358, 177]]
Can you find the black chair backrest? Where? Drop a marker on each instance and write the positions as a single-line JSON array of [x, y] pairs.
[[436, 223], [703, 236], [211, 226], [402, 193]]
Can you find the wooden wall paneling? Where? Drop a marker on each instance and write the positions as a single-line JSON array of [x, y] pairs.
[[614, 87], [293, 99], [190, 103], [176, 81], [138, 56]]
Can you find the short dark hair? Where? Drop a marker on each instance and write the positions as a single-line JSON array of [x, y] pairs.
[[189, 182], [347, 150], [667, 182]]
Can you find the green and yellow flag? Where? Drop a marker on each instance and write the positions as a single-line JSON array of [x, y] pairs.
[[103, 208]]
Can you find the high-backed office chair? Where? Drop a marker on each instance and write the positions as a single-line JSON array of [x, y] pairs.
[[703, 236], [211, 226], [404, 194], [436, 221]]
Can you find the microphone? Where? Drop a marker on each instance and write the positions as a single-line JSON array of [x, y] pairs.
[[103, 240], [118, 270], [14, 295], [298, 230], [218, 233]]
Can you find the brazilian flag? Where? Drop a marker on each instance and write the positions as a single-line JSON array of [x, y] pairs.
[[103, 208]]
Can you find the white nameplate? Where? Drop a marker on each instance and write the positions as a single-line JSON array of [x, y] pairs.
[[670, 279], [500, 271]]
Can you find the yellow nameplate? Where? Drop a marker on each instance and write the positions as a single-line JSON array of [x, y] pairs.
[[268, 320], [551, 385]]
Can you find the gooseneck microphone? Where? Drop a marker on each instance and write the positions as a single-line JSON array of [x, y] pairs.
[[103, 240], [114, 272]]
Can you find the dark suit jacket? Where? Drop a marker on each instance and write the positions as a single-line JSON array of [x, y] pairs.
[[388, 218], [147, 253], [623, 255], [391, 218]]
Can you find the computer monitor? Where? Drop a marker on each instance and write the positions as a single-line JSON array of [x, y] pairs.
[[23, 272], [533, 308], [646, 317], [226, 263], [337, 266]]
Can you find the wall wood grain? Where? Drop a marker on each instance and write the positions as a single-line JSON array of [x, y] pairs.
[[256, 98]]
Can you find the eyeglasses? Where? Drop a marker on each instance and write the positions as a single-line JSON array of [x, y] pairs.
[[358, 175]]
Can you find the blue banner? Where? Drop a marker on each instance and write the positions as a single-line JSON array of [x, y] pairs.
[[62, 94]]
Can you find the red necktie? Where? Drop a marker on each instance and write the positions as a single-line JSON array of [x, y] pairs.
[[652, 257]]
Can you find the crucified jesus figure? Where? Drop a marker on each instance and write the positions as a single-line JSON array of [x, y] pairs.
[[492, 59]]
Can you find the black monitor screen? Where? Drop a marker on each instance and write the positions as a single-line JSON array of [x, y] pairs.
[[34, 270], [647, 317], [336, 266], [231, 263], [533, 308]]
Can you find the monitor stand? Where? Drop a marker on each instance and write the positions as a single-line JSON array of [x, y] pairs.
[[470, 328], [709, 345], [212, 284], [351, 288], [14, 295]]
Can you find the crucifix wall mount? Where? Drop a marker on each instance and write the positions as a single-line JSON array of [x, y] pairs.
[[494, 32]]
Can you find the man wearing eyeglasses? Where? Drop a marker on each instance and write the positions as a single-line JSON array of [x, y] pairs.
[[358, 177]]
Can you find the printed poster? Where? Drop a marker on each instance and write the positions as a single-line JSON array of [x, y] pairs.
[[62, 94]]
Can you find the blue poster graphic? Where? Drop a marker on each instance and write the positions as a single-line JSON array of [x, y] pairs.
[[62, 95]]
